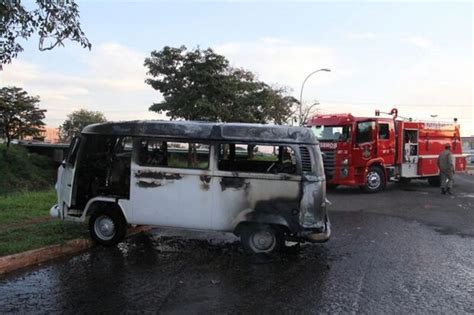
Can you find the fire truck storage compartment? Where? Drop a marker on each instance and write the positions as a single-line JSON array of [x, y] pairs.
[[410, 153], [428, 166]]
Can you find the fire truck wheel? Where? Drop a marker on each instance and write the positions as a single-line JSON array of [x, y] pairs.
[[434, 181], [375, 180]]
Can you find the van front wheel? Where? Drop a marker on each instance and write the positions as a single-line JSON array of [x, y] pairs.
[[107, 227], [260, 239]]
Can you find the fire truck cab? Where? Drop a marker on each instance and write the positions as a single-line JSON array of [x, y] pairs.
[[368, 152]]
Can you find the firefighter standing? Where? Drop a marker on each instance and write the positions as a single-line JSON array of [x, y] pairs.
[[446, 169]]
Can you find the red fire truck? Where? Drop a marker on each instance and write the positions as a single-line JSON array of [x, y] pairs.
[[369, 152]]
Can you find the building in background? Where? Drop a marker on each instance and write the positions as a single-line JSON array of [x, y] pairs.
[[51, 135], [48, 135]]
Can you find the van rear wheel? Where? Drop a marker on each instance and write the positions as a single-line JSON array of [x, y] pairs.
[[107, 227], [260, 239]]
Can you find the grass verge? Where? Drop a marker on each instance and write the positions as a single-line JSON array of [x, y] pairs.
[[25, 223], [24, 206], [21, 170], [34, 236]]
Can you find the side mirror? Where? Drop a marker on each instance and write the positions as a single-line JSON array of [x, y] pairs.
[[63, 163]]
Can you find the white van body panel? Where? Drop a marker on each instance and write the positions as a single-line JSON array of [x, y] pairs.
[[234, 195], [170, 197]]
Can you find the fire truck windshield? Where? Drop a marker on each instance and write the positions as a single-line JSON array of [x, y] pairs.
[[332, 133]]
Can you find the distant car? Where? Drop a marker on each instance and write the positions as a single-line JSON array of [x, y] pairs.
[[470, 157], [469, 153], [468, 148]]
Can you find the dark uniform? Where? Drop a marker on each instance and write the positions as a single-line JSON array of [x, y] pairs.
[[446, 169]]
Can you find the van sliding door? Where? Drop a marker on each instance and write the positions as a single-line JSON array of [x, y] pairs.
[[170, 183]]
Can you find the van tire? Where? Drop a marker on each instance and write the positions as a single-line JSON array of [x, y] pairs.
[[375, 180], [107, 226], [260, 239], [434, 181]]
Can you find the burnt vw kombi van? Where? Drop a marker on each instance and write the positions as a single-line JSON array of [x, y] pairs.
[[264, 183]]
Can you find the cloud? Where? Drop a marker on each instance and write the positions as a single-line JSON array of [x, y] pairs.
[[360, 36], [117, 67], [436, 84], [286, 63], [419, 42], [437, 79], [111, 79], [273, 40]]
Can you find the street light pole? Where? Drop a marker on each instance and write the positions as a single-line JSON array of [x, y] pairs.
[[301, 92]]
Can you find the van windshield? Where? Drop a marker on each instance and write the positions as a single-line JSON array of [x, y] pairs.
[[332, 133]]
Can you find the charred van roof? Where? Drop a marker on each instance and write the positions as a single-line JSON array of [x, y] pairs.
[[205, 131]]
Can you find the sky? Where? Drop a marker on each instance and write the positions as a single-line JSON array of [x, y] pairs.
[[417, 57]]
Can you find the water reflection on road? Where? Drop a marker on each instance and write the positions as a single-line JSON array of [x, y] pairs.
[[374, 264]]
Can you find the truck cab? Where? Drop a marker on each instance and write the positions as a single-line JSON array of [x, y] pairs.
[[356, 150]]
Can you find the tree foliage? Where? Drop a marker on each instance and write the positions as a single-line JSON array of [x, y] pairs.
[[20, 115], [52, 21], [201, 85], [76, 121]]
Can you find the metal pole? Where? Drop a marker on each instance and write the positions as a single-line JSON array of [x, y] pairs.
[[301, 93]]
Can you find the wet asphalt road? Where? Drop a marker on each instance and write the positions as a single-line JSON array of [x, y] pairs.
[[406, 250]]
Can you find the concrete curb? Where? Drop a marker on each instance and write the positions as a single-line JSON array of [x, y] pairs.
[[37, 256]]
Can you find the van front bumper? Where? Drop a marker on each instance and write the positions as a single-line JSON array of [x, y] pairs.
[[317, 236]]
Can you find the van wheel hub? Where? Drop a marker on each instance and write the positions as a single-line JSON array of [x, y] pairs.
[[104, 227], [263, 241]]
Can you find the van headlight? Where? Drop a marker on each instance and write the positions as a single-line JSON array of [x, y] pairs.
[[345, 162]]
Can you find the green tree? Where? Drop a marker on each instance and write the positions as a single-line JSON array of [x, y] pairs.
[[19, 114], [52, 21], [76, 121], [201, 85]]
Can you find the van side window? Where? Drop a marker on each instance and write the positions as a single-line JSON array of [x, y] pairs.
[[173, 154], [384, 132], [364, 131], [256, 158]]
